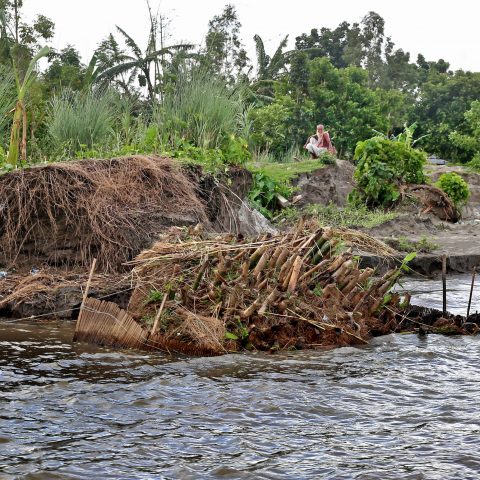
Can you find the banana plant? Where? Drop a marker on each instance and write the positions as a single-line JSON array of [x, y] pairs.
[[20, 114]]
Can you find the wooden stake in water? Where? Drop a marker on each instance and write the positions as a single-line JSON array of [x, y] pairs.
[[474, 272], [444, 283], [87, 288], [159, 314]]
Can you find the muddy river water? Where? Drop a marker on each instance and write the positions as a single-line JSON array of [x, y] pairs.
[[403, 407]]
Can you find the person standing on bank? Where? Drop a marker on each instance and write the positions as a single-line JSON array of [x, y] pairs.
[[319, 143]]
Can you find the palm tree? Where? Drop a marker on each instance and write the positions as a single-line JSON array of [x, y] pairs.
[[108, 55], [269, 68], [138, 61]]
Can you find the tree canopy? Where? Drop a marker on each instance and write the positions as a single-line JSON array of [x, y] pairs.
[[352, 78]]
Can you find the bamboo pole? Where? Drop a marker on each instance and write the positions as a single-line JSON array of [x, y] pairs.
[[87, 288], [159, 314], [474, 272], [444, 283]]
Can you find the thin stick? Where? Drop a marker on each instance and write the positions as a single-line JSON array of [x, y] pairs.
[[87, 288], [159, 314], [444, 283], [474, 272]]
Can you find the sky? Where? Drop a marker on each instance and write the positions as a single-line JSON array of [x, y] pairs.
[[435, 28]]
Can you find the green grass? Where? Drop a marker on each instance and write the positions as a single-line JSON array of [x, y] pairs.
[[403, 244], [350, 216], [202, 110], [284, 172], [80, 120]]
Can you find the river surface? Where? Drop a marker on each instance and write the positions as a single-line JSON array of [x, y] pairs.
[[403, 407]]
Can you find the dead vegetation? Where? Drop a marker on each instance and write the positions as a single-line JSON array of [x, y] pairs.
[[55, 293], [110, 209], [433, 200], [301, 288]]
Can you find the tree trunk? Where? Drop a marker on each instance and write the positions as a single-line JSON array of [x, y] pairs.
[[13, 150]]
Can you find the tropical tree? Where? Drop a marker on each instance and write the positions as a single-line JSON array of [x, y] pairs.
[[20, 114], [469, 141], [224, 53], [443, 101], [19, 39], [137, 63], [269, 68]]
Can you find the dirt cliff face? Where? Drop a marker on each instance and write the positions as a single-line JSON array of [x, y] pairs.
[[332, 183]]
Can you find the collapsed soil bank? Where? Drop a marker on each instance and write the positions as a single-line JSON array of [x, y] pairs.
[[74, 210], [66, 214]]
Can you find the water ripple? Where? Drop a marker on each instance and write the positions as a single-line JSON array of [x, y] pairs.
[[402, 408]]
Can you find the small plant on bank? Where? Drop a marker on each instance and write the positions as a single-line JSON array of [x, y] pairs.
[[403, 244], [264, 192], [327, 158], [455, 187], [350, 216], [382, 166], [154, 296]]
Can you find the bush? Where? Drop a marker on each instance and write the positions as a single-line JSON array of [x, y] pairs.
[[382, 166], [455, 187], [474, 163], [263, 194]]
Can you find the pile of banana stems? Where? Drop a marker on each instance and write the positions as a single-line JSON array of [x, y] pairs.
[[303, 287]]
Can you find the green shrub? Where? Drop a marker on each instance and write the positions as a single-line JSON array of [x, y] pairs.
[[382, 166], [263, 194], [235, 150], [474, 163], [455, 187], [327, 158]]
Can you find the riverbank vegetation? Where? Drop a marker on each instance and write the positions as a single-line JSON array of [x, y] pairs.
[[213, 103]]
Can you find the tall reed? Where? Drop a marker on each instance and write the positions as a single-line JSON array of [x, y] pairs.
[[7, 101], [78, 119], [202, 110]]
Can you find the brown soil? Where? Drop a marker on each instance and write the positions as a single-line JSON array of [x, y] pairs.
[[332, 183], [56, 293], [423, 214], [460, 242]]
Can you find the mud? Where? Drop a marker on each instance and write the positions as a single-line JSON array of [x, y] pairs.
[[56, 293], [332, 183]]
